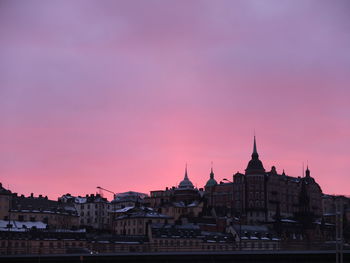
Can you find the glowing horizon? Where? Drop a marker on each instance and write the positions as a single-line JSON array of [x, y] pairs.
[[121, 95]]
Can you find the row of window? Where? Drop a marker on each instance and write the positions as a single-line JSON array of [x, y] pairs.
[[88, 206], [82, 213]]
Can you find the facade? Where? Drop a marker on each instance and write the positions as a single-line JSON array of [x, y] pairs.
[[188, 237], [219, 196], [92, 209], [177, 210], [128, 199], [5, 202], [42, 241], [184, 193], [135, 221], [40, 209], [251, 237]]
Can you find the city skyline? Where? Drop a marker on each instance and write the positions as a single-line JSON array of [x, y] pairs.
[[122, 95]]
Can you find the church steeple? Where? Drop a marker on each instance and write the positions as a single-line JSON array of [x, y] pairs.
[[255, 152], [255, 166]]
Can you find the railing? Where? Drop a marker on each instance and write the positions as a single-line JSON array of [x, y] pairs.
[[28, 248]]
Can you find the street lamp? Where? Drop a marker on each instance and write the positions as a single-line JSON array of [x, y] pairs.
[[103, 189], [114, 196]]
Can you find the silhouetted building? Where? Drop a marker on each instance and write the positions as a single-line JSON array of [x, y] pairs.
[[261, 196], [53, 213]]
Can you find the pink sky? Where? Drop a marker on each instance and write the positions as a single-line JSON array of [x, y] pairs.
[[121, 94]]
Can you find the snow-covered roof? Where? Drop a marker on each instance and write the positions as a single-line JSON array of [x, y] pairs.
[[21, 225], [80, 200], [125, 209]]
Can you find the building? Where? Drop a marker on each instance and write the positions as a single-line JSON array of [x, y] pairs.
[[188, 237], [251, 237], [128, 199], [93, 210], [33, 238], [5, 202], [135, 221], [53, 213], [218, 197], [259, 196], [185, 192]]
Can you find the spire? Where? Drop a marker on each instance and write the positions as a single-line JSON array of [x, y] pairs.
[[255, 154], [255, 166], [186, 177], [254, 149], [211, 171], [211, 182], [186, 183]]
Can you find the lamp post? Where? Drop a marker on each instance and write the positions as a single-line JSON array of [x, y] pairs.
[[114, 196]]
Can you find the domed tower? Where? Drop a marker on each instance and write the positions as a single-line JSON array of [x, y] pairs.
[[186, 192], [255, 166], [211, 182], [255, 178], [186, 183]]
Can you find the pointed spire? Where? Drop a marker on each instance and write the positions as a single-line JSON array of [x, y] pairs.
[[255, 166], [186, 177], [255, 152], [186, 183]]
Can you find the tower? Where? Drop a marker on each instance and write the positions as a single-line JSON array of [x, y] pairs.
[[255, 166]]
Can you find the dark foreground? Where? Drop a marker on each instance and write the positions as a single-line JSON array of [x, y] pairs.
[[193, 257]]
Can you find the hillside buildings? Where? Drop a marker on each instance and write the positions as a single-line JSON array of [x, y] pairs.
[[253, 210]]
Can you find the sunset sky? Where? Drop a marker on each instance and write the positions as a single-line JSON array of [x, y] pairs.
[[121, 94]]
